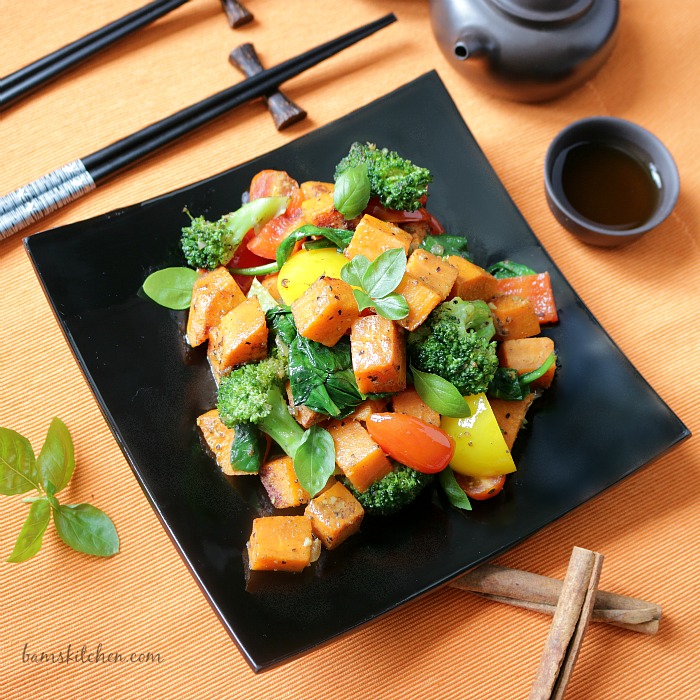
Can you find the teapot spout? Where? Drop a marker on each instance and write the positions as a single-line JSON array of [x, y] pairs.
[[471, 44]]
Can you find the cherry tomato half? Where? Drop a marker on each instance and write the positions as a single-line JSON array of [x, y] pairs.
[[411, 441], [270, 183], [479, 488]]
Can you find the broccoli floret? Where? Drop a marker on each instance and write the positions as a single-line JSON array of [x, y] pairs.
[[397, 182], [392, 493], [455, 343], [207, 244], [252, 393]]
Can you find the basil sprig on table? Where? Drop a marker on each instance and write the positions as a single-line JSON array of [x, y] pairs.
[[83, 527], [377, 281]]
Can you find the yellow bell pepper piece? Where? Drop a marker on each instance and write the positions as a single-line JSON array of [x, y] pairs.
[[304, 267], [480, 449]]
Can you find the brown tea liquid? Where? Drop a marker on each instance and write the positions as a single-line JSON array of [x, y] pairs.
[[608, 186]]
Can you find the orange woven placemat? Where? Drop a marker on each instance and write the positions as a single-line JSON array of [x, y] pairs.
[[448, 644]]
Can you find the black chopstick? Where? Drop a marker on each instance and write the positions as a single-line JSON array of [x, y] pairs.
[[27, 80], [52, 191]]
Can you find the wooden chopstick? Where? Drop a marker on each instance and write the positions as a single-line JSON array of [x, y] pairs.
[[56, 189], [29, 79]]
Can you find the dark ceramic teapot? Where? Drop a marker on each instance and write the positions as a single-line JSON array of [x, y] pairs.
[[527, 50]]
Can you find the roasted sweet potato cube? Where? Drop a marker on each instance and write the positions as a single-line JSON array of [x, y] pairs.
[[514, 317], [367, 408], [280, 543], [306, 417], [526, 355], [510, 416], [325, 311], [378, 355], [357, 455], [241, 336], [432, 270], [316, 188], [421, 300], [219, 439], [214, 294], [472, 282], [318, 207], [409, 403], [281, 483], [335, 514], [373, 236]]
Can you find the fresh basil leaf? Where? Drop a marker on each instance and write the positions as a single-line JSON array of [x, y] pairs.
[[56, 460], [314, 460], [248, 448], [445, 244], [393, 306], [354, 271], [171, 287], [258, 290], [86, 529], [508, 268], [18, 470], [32, 533], [363, 299], [441, 395], [385, 273], [352, 191], [453, 491]]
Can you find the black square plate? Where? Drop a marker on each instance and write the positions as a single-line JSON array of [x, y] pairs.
[[599, 423]]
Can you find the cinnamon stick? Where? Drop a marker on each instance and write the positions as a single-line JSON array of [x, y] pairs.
[[568, 625], [541, 593]]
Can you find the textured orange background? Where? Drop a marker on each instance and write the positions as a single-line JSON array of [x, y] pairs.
[[449, 644]]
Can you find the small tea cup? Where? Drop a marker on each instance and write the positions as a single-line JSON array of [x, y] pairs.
[[585, 144]]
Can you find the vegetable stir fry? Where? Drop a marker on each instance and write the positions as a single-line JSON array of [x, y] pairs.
[[360, 353]]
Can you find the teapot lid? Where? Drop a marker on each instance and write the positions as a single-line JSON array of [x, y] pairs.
[[544, 10]]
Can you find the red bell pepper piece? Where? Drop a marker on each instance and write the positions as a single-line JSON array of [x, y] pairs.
[[396, 216]]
